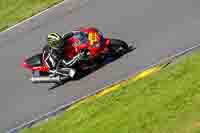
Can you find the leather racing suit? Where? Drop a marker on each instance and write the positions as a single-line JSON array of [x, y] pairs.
[[56, 57]]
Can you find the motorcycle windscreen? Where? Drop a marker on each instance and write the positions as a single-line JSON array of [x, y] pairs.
[[34, 60]]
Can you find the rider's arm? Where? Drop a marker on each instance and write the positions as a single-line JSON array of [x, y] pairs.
[[76, 59], [70, 34]]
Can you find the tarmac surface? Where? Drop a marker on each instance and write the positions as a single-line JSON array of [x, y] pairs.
[[161, 28]]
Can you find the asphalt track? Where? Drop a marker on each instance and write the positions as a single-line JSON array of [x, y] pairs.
[[161, 28]]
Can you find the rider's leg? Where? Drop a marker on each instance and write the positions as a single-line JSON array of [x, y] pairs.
[[66, 68]]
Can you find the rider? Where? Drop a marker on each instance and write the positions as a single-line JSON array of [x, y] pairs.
[[56, 44]]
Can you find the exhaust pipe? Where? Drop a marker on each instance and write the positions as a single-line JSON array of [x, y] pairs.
[[45, 79]]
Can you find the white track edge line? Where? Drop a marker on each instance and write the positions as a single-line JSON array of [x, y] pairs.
[[44, 11]]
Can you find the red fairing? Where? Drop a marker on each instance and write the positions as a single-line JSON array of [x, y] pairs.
[[70, 50], [104, 48], [106, 42], [40, 68], [88, 29]]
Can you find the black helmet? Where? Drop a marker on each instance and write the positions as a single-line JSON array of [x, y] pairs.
[[55, 40]]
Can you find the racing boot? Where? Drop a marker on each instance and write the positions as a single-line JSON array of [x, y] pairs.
[[65, 72], [70, 72], [53, 73]]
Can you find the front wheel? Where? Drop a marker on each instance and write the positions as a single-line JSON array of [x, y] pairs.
[[118, 47]]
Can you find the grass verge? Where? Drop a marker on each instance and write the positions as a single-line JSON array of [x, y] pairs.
[[165, 102], [14, 11]]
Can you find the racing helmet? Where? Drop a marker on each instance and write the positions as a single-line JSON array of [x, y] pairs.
[[55, 40]]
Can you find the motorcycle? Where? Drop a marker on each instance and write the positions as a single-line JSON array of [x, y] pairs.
[[40, 74]]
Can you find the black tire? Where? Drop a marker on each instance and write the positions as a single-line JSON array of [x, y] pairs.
[[117, 45]]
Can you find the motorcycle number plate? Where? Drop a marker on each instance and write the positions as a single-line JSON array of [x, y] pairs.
[[92, 37]]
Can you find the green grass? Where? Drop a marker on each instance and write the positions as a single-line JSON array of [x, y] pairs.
[[14, 11], [166, 102]]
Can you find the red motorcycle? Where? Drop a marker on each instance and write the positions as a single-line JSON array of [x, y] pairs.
[[110, 47]]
